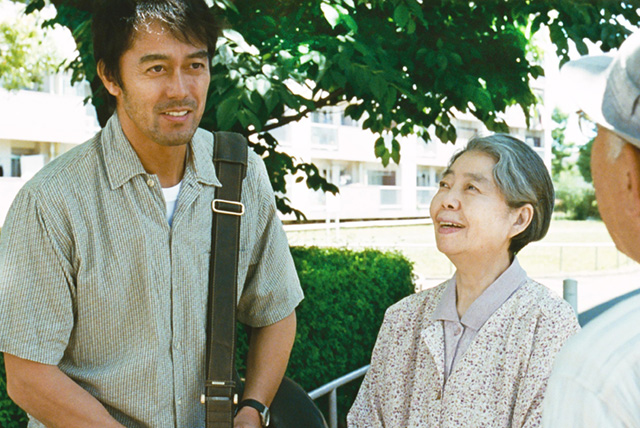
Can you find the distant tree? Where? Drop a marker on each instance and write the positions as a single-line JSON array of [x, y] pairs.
[[403, 66], [584, 161], [575, 196], [26, 54], [560, 149]]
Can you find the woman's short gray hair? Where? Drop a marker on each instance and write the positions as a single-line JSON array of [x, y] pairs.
[[522, 178]]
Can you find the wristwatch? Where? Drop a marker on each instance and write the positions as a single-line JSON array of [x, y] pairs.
[[265, 415]]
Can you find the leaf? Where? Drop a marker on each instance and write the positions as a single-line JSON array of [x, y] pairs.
[[247, 118], [263, 86], [378, 87], [482, 100], [581, 46], [271, 100], [411, 27], [452, 134], [441, 61], [385, 159], [226, 113], [33, 6], [395, 151], [339, 78], [390, 98], [455, 58], [350, 23], [330, 14], [401, 15], [380, 148]]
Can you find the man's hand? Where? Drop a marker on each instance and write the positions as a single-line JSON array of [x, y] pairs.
[[247, 417]]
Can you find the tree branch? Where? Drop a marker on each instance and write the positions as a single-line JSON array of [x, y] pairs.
[[317, 104]]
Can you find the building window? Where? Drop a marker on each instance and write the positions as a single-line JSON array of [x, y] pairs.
[[324, 137], [381, 178], [533, 141], [345, 177], [16, 168], [325, 117], [348, 121]]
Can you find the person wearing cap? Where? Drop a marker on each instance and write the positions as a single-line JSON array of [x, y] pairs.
[[596, 378]]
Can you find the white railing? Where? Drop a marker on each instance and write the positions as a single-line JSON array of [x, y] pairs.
[[331, 388]]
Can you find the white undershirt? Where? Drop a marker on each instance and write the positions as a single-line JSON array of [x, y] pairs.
[[171, 199]]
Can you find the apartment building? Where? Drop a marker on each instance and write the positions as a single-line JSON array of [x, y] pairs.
[[345, 155], [37, 126]]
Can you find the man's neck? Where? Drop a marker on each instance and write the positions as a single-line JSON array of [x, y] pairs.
[[165, 161], [168, 163]]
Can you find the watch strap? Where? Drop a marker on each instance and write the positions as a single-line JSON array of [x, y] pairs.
[[261, 408]]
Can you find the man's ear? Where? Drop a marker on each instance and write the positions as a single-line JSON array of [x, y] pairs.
[[524, 215], [107, 80], [629, 160]]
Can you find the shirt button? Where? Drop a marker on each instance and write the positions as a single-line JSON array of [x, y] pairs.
[[177, 345], [179, 401], [438, 395], [458, 331], [150, 183]]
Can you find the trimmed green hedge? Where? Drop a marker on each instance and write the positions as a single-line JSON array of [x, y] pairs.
[[346, 294], [11, 416]]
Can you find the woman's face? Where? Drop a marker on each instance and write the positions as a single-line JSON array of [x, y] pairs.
[[470, 214]]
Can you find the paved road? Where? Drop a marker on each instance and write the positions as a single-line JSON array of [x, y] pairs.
[[599, 288], [596, 291]]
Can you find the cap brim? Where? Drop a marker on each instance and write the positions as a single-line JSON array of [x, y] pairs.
[[586, 81]]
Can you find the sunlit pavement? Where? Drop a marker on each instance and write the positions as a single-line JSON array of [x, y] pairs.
[[605, 288], [593, 288]]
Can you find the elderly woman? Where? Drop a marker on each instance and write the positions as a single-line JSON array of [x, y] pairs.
[[477, 350]]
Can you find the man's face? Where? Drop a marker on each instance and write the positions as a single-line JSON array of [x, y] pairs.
[[608, 180], [164, 88]]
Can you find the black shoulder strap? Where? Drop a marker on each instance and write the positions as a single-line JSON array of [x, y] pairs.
[[230, 159]]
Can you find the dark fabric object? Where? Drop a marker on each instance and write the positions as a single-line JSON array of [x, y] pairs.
[[230, 159], [292, 407]]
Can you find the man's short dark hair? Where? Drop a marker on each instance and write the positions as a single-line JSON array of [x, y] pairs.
[[116, 21]]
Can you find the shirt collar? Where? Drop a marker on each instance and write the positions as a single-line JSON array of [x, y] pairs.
[[122, 163], [486, 304], [446, 308], [202, 159]]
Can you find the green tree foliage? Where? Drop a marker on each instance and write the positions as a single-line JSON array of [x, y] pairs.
[[584, 161], [575, 198], [560, 149], [403, 66], [26, 54]]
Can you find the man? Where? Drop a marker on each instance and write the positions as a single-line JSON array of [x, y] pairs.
[[104, 284], [596, 378]]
